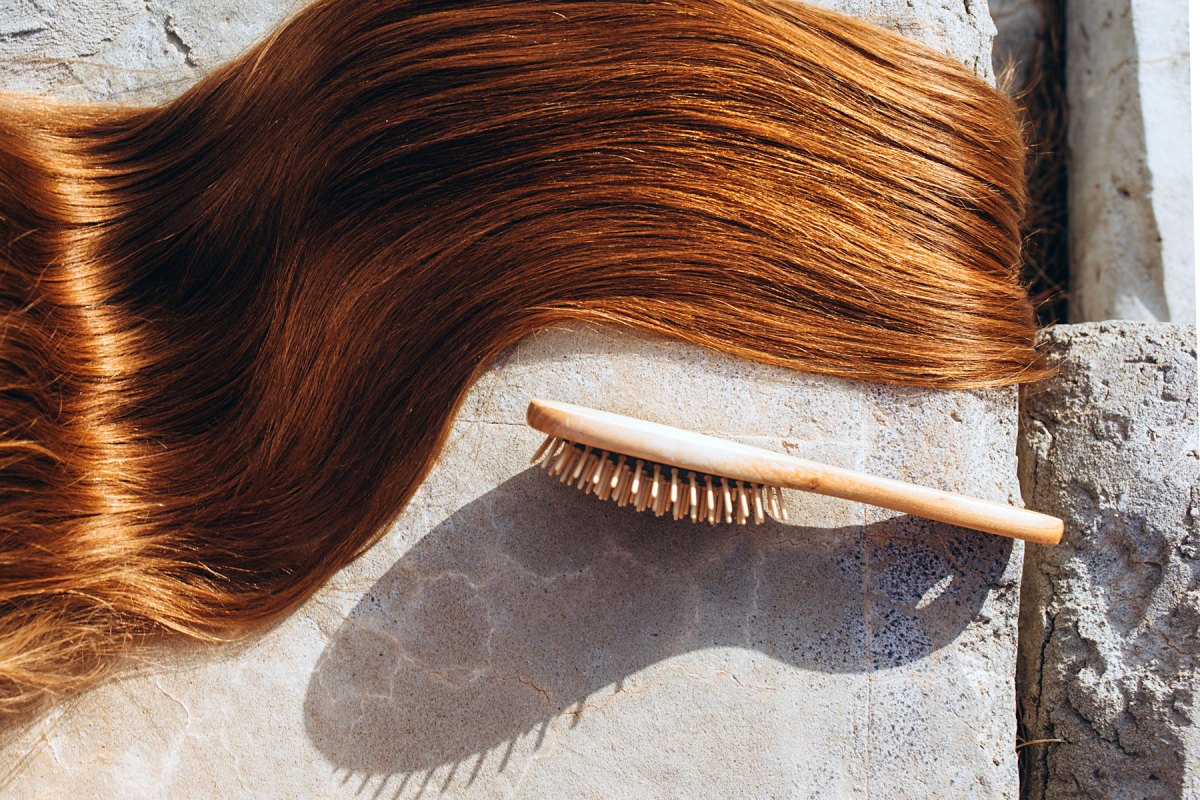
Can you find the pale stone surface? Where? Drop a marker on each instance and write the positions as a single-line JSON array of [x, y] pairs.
[[512, 637], [1110, 655], [1132, 237], [128, 51]]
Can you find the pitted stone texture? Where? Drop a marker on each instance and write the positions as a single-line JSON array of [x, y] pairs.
[[512, 637], [1130, 183], [1110, 655], [145, 51]]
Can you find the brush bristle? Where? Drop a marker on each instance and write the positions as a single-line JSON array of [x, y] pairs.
[[660, 488]]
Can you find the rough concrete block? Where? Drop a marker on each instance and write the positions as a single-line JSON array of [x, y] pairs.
[[1132, 237], [512, 637], [1110, 655]]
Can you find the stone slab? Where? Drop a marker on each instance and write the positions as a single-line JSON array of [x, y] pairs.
[[1110, 655], [511, 637]]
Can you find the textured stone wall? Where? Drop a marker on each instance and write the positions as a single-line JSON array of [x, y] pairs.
[[512, 638], [1131, 226], [1132, 229], [1110, 654]]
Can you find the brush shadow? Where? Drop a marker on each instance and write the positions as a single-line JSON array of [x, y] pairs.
[[526, 601]]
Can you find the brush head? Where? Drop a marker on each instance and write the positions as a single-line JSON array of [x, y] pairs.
[[657, 468]]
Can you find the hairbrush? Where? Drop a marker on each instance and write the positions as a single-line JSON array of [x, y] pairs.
[[688, 475]]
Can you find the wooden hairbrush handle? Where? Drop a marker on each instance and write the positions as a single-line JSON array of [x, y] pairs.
[[615, 434], [955, 509]]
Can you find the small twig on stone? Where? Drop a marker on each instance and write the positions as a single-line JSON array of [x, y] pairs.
[[1040, 741]]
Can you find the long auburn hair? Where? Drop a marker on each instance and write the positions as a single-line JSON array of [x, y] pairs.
[[234, 328]]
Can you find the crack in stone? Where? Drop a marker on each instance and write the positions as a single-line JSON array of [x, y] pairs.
[[54, 754], [869, 637], [172, 762], [233, 756], [23, 32], [53, 719], [543, 693], [755, 573], [177, 42], [171, 34], [537, 754], [1037, 710]]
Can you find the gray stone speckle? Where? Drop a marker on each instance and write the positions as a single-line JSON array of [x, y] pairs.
[[1110, 655]]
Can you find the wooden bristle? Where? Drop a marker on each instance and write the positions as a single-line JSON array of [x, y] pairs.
[[541, 451], [564, 458], [585, 473], [728, 500], [693, 497], [743, 509], [580, 462], [642, 493], [658, 488], [710, 501]]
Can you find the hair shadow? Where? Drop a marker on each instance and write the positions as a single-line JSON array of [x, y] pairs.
[[525, 602]]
